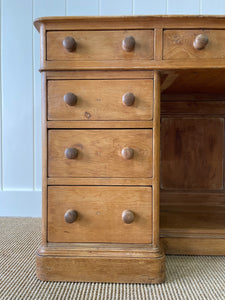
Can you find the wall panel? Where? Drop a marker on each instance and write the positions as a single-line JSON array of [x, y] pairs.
[[82, 7], [116, 7], [176, 7], [17, 95], [145, 7]]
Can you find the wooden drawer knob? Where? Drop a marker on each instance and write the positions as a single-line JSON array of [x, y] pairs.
[[200, 41], [128, 99], [128, 216], [127, 153], [69, 44], [71, 153], [70, 216], [70, 99], [128, 43]]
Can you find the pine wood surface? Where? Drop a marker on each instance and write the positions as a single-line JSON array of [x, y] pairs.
[[100, 45], [99, 153], [100, 214], [100, 99]]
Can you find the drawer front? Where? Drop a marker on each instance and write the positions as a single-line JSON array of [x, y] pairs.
[[99, 45], [178, 44], [99, 214], [100, 99], [100, 153]]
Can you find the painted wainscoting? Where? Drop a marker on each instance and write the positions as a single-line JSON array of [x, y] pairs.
[[20, 126]]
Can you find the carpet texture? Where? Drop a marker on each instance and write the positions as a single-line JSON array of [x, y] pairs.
[[187, 277]]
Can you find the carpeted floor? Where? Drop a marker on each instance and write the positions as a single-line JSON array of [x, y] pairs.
[[187, 277]]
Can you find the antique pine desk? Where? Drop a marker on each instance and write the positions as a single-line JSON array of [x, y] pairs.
[[110, 156]]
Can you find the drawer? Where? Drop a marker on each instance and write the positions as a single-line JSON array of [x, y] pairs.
[[99, 45], [100, 153], [96, 213], [100, 99], [178, 44]]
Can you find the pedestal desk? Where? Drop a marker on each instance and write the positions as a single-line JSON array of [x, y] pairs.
[[112, 150]]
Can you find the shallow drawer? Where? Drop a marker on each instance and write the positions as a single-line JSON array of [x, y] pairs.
[[95, 213], [100, 153], [99, 45], [180, 44], [100, 99]]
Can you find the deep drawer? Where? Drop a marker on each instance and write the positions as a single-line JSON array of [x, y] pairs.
[[100, 153], [101, 213]]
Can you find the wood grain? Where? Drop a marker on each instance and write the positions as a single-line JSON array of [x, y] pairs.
[[100, 214], [126, 269], [193, 246], [178, 44], [100, 124], [100, 45], [99, 153], [192, 153], [100, 99]]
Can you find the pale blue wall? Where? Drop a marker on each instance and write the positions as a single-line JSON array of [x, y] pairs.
[[20, 109]]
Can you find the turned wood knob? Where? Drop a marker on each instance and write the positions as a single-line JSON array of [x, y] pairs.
[[71, 153], [200, 41], [70, 99], [70, 216], [128, 99], [69, 44], [127, 153], [128, 216], [128, 43]]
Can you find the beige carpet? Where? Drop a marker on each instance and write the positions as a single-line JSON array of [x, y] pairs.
[[187, 277]]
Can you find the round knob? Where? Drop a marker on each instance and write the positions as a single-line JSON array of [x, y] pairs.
[[69, 44], [128, 216], [127, 153], [128, 99], [128, 43], [200, 41], [70, 99], [70, 216], [71, 153]]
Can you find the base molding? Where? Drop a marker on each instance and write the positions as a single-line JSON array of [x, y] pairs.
[[126, 267]]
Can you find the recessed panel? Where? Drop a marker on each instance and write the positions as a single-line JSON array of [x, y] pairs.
[[192, 153]]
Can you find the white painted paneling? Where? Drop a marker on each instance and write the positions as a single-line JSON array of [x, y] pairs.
[[41, 8], [116, 7], [20, 203], [17, 95], [82, 7], [147, 7], [177, 7], [215, 7]]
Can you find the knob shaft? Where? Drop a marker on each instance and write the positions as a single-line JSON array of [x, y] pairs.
[[70, 99], [69, 44], [70, 216], [128, 43], [128, 99], [200, 41], [128, 216], [127, 153], [71, 153]]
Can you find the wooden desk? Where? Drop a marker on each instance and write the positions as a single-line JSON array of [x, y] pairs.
[[104, 171]]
